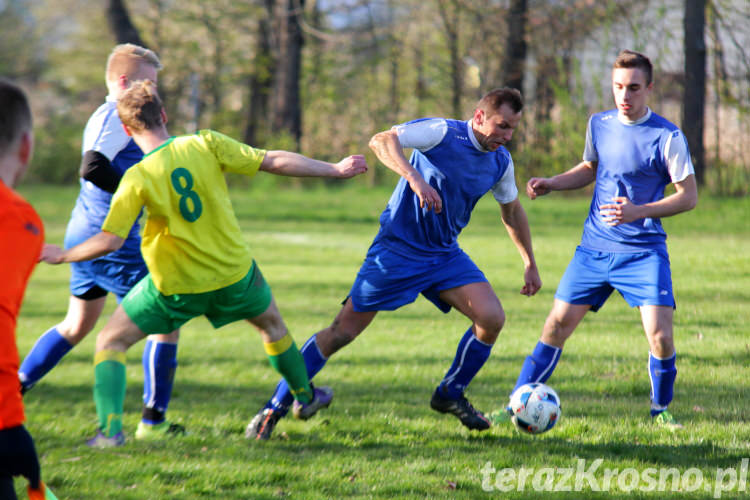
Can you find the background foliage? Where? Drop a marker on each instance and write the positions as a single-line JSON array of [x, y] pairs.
[[368, 64]]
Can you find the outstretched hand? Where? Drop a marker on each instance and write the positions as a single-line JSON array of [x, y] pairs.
[[51, 254], [532, 281], [351, 166], [621, 211], [537, 186]]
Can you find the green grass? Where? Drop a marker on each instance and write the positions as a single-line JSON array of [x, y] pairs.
[[379, 439]]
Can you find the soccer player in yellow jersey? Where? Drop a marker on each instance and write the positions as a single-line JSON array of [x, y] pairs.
[[197, 259]]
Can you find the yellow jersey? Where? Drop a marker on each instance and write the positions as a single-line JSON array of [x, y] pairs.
[[191, 240]]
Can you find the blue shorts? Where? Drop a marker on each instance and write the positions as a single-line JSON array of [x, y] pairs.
[[388, 280], [114, 275], [642, 278]]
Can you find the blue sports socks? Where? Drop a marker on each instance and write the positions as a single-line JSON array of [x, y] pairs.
[[159, 366], [539, 366], [46, 353], [282, 398], [471, 355], [662, 373]]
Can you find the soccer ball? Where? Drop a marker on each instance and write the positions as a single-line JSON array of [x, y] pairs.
[[536, 408]]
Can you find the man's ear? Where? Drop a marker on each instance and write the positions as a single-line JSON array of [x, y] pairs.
[[478, 117], [26, 147], [163, 116], [127, 130], [123, 82]]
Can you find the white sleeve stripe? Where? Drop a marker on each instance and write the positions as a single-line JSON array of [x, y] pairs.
[[677, 157], [505, 190], [423, 135], [589, 152], [111, 138]]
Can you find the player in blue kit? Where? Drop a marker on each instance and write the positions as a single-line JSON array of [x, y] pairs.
[[453, 165], [631, 154], [107, 153]]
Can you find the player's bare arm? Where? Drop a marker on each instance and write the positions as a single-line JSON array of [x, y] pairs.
[[577, 177], [389, 151], [296, 165], [517, 225], [622, 210], [96, 246]]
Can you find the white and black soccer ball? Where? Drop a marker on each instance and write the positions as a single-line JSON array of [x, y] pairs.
[[536, 408]]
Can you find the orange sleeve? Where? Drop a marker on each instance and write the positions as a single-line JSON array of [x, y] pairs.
[[21, 239]]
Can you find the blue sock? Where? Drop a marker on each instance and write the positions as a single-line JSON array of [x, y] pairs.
[[282, 398], [539, 366], [46, 353], [470, 357], [662, 373], [159, 366]]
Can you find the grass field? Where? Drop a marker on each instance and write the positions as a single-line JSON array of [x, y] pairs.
[[380, 439]]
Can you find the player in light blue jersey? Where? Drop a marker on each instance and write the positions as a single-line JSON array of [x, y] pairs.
[[453, 165], [107, 153], [631, 154]]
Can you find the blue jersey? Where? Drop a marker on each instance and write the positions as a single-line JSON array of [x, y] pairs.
[[636, 160], [104, 134], [461, 172]]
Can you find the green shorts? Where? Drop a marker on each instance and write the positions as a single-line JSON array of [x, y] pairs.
[[155, 312]]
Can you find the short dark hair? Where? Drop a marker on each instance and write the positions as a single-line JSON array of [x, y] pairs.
[[632, 59], [15, 114], [495, 98], [140, 107]]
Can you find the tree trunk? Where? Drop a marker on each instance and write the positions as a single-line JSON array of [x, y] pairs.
[[286, 112], [514, 63], [120, 24], [694, 98], [260, 85], [450, 15]]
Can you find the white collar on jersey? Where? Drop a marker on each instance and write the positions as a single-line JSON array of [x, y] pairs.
[[473, 138], [640, 120]]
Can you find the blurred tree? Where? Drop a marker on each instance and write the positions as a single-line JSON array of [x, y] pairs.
[[121, 25], [450, 15], [259, 85], [693, 106], [514, 63], [286, 46]]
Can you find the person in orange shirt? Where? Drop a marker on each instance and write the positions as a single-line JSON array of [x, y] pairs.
[[21, 239]]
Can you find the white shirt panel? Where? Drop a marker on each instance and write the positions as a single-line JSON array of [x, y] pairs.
[[677, 157], [423, 135], [104, 132], [505, 189], [589, 153]]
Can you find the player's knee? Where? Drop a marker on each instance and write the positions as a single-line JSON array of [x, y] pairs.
[[662, 343], [556, 331], [73, 333], [491, 322]]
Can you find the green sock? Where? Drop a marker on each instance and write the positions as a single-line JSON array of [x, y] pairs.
[[287, 360], [109, 390]]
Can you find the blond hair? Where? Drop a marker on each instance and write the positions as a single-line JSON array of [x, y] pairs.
[[140, 107], [129, 59]]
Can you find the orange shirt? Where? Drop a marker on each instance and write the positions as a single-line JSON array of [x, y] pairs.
[[21, 239]]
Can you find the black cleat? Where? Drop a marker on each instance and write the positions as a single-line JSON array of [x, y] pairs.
[[469, 416], [262, 424]]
